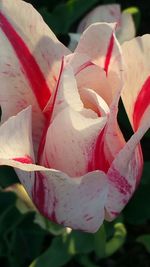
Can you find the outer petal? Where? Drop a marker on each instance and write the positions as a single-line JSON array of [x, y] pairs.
[[30, 53], [124, 174], [74, 202], [104, 50], [136, 92], [16, 142], [102, 13], [127, 30]]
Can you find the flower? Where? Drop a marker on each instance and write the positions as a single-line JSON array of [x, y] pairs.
[[125, 28], [59, 110]]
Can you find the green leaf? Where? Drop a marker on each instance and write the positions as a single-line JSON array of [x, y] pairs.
[[65, 14], [9, 219], [81, 242], [27, 238], [138, 211], [144, 240], [55, 256], [49, 226], [146, 174], [100, 242], [117, 240], [7, 176], [6, 199], [85, 261]]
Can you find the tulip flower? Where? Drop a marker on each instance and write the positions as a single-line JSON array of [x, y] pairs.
[[59, 126], [125, 28]]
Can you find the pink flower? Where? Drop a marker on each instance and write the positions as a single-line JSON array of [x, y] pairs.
[[85, 172], [125, 28]]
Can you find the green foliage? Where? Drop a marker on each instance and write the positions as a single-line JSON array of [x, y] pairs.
[[65, 14], [7, 176], [138, 211], [56, 255], [144, 240], [20, 239]]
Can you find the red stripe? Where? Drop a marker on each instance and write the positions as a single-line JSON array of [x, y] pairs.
[[26, 159], [119, 181], [32, 71], [39, 193], [141, 104], [56, 91], [49, 113], [84, 66], [109, 53], [99, 161]]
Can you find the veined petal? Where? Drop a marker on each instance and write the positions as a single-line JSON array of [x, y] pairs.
[[75, 139], [89, 75], [66, 93], [30, 53], [109, 142], [76, 202], [136, 91], [11, 132], [124, 174], [16, 142], [104, 50]]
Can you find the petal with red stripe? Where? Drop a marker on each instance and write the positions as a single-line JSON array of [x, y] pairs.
[[136, 91], [124, 174], [30, 61], [16, 143], [104, 50], [77, 202]]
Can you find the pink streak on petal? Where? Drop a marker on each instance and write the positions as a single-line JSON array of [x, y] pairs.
[[49, 115], [38, 192], [120, 182], [141, 104], [138, 178], [115, 213], [109, 53], [83, 66], [28, 62], [26, 159], [56, 91], [99, 161], [39, 196]]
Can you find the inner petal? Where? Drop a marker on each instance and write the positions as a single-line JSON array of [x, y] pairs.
[[70, 141]]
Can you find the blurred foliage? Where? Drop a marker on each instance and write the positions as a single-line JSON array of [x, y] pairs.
[[29, 240]]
